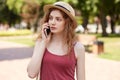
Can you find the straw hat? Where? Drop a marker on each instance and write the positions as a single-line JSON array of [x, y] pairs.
[[65, 7]]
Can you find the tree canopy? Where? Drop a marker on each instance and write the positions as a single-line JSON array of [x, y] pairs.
[[12, 11]]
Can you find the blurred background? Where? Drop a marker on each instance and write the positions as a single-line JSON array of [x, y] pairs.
[[98, 30], [100, 18], [24, 14]]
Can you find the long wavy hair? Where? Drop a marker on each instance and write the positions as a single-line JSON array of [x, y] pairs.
[[69, 30]]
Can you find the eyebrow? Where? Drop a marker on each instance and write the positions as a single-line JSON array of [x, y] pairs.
[[56, 16]]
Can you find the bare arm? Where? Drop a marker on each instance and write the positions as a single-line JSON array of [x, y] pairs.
[[36, 60], [80, 68], [35, 63]]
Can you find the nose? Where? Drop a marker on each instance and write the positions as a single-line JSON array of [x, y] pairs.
[[53, 22]]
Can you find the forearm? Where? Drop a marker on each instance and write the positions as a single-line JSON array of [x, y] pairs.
[[35, 63], [81, 68], [81, 75]]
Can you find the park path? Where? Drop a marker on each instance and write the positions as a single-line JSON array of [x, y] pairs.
[[15, 57]]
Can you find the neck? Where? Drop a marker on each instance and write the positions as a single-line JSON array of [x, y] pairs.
[[57, 38], [57, 41]]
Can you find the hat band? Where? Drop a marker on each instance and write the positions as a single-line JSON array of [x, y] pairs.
[[62, 7]]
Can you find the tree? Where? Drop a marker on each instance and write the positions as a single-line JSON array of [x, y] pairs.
[[15, 5], [108, 7], [30, 12], [86, 7], [6, 15]]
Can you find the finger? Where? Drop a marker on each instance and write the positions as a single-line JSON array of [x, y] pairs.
[[45, 26]]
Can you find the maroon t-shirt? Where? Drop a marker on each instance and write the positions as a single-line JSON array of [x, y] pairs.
[[57, 67]]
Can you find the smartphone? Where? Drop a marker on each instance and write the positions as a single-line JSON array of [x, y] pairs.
[[48, 30]]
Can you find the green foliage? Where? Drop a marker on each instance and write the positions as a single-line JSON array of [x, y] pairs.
[[2, 4], [49, 1], [10, 10], [91, 20], [72, 2], [7, 16], [79, 20], [117, 7], [15, 5], [86, 6]]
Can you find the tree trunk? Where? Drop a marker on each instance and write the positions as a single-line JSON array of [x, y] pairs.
[[104, 24], [28, 25], [84, 24], [112, 25]]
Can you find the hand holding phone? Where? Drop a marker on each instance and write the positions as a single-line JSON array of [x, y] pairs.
[[47, 31]]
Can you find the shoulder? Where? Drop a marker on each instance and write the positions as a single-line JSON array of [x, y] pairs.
[[79, 49]]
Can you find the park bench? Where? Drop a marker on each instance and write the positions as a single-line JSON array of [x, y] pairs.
[[91, 43]]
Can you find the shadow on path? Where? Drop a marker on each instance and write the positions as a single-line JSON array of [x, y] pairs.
[[15, 53]]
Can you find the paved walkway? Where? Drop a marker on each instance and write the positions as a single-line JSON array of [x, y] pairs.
[[15, 57]]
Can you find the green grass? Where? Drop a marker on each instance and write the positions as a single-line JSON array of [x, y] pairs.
[[15, 32], [111, 48], [111, 45], [26, 41], [22, 40], [18, 36]]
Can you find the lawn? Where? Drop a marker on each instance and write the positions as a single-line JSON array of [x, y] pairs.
[[111, 44], [111, 48], [22, 36], [22, 40], [15, 32]]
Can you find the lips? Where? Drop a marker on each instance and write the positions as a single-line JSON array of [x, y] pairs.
[[52, 28]]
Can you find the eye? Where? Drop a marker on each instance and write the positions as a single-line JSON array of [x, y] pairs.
[[58, 19]]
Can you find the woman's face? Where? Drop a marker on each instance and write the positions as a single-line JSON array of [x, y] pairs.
[[56, 21]]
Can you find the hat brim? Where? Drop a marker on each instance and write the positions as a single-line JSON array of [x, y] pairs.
[[47, 7]]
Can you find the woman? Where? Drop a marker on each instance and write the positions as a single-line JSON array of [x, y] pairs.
[[56, 55]]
